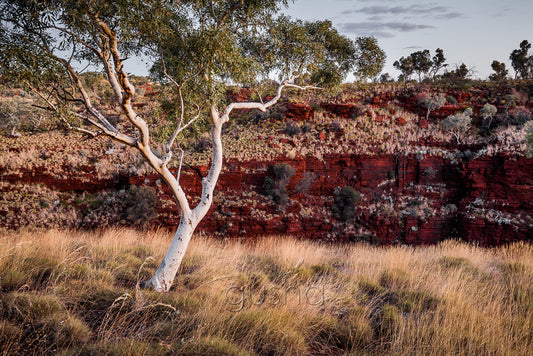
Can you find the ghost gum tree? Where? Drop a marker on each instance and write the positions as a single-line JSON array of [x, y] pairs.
[[197, 46]]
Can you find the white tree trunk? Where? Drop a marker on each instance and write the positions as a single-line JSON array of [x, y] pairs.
[[164, 276], [189, 219]]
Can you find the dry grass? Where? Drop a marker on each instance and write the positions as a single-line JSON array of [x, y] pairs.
[[75, 293]]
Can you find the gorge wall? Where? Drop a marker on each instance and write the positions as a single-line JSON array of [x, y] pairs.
[[412, 199]]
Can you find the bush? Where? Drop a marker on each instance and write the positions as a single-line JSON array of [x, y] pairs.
[[122, 347], [394, 279], [305, 183], [211, 345], [292, 129], [451, 99], [266, 332], [283, 171], [457, 124], [140, 205], [335, 126], [202, 145], [487, 112], [433, 103], [345, 201], [520, 118], [351, 332], [388, 319], [17, 113], [276, 187]]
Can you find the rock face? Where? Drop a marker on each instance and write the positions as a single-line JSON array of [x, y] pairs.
[[487, 201], [346, 111], [299, 111]]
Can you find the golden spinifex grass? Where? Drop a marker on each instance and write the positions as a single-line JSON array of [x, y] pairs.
[[80, 293]]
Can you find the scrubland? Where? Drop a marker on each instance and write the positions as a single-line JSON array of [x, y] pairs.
[[72, 292]]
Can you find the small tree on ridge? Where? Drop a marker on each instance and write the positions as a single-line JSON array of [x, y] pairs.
[[433, 103], [458, 124]]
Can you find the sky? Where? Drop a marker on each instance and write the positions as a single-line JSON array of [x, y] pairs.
[[475, 32]]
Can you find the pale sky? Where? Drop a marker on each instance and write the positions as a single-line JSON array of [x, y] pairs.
[[475, 32]]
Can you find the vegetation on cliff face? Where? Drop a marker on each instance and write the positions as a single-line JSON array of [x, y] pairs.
[[69, 292]]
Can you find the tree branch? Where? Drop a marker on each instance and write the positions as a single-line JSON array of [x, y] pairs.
[[265, 106], [129, 89], [176, 132], [51, 105], [229, 12]]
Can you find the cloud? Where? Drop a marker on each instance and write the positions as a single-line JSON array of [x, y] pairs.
[[376, 27], [380, 34], [449, 16], [376, 18], [395, 10], [348, 12], [433, 10]]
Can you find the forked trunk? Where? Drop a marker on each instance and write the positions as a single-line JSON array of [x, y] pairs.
[[189, 219]]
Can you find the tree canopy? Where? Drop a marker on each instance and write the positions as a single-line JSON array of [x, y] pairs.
[[405, 65], [421, 63], [369, 58], [521, 61], [203, 43], [500, 71]]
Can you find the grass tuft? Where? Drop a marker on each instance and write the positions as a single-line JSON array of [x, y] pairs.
[[210, 346]]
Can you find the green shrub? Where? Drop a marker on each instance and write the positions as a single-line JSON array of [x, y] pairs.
[[370, 288], [57, 332], [140, 205], [276, 187], [512, 268], [35, 271], [388, 319], [263, 264], [305, 182], [292, 129], [417, 301], [22, 307], [266, 332], [336, 127], [394, 279], [451, 99], [345, 201], [120, 348], [450, 262]]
